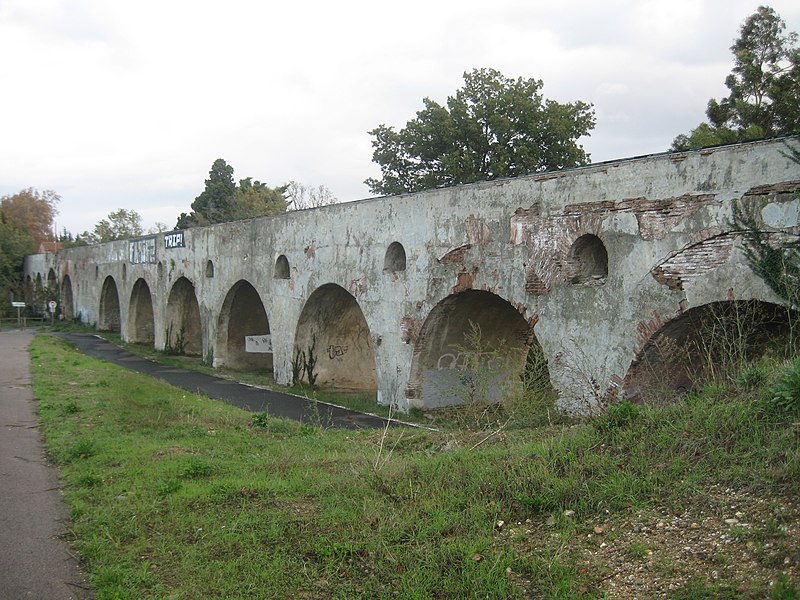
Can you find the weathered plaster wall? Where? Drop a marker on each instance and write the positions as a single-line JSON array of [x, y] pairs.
[[662, 221]]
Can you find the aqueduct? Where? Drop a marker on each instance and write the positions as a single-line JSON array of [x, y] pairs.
[[585, 268]]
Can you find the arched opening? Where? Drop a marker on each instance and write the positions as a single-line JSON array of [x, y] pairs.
[[124, 272], [706, 343], [334, 328], [141, 324], [29, 290], [109, 319], [395, 258], [210, 269], [475, 346], [282, 267], [52, 285], [243, 340], [67, 302], [160, 271], [587, 261], [183, 333]]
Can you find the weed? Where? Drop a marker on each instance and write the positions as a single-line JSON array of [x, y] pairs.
[[310, 363], [785, 394]]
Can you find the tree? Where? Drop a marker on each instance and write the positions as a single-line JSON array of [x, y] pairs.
[[222, 200], [255, 199], [121, 224], [32, 211], [764, 98], [492, 127], [302, 196]]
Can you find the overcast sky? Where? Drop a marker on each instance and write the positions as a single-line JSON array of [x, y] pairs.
[[126, 104]]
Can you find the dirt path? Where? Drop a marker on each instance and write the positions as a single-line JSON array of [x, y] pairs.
[[34, 563]]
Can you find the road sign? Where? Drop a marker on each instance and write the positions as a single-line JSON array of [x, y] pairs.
[[52, 305], [18, 304]]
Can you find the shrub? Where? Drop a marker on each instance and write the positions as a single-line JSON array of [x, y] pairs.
[[785, 394]]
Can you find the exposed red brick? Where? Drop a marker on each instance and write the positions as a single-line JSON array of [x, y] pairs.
[[477, 232], [409, 329], [465, 281], [693, 260], [786, 187], [311, 250], [358, 286], [646, 329], [455, 255], [534, 284]]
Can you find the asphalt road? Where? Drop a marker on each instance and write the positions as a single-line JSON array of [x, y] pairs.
[[277, 404]]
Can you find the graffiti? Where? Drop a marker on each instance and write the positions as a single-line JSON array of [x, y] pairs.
[[142, 251], [334, 351], [174, 240], [261, 344]]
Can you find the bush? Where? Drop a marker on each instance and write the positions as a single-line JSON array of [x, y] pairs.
[[785, 394]]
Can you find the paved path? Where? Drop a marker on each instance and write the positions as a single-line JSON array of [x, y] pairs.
[[244, 396], [34, 563]]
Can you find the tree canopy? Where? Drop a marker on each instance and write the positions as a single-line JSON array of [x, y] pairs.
[[764, 86], [492, 127], [223, 200], [121, 224]]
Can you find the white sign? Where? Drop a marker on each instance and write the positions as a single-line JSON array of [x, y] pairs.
[[261, 344], [52, 305], [18, 304]]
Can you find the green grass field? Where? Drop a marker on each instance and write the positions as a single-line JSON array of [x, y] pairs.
[[173, 495]]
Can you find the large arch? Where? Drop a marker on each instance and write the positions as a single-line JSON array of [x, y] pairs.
[[241, 331], [468, 331], [184, 331], [333, 325], [141, 323], [706, 342], [109, 319], [67, 300]]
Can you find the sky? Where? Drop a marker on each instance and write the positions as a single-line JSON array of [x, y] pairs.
[[126, 104]]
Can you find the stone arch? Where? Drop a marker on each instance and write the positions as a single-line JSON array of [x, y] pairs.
[[243, 315], [183, 319], [210, 268], [587, 260], [141, 323], [67, 301], [395, 258], [446, 345], [52, 282], [707, 341], [282, 267], [109, 314], [124, 272], [334, 325]]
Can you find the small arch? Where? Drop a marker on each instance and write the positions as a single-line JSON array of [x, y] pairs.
[[124, 271], [587, 260], [96, 272], [282, 267], [160, 271], [395, 258], [210, 268]]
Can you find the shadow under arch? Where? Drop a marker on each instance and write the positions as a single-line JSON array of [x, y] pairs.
[[109, 314], [438, 375], [242, 315], [333, 324], [706, 342], [141, 323], [184, 330], [67, 299]]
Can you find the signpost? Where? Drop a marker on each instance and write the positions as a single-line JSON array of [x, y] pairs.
[[52, 306], [18, 306]]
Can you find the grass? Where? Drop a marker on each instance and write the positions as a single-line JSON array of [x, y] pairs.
[[173, 495]]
